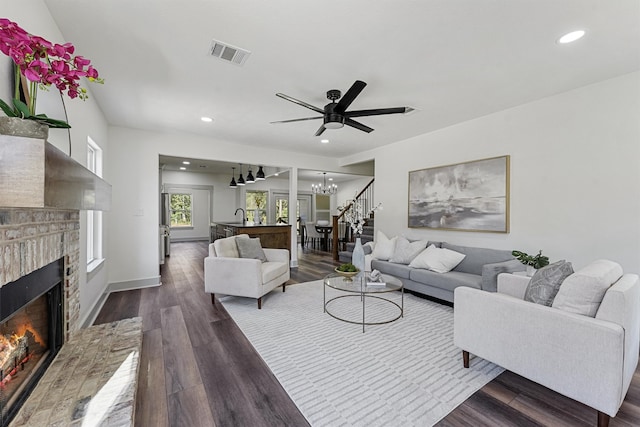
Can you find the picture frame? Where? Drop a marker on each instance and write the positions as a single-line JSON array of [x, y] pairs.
[[467, 196]]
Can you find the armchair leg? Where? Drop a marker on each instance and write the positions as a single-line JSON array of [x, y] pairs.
[[284, 286], [213, 299], [260, 303], [603, 419], [465, 358]]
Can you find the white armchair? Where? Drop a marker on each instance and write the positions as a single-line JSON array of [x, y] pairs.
[[589, 359], [226, 273]]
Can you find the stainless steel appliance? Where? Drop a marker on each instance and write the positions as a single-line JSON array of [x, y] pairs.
[[165, 230]]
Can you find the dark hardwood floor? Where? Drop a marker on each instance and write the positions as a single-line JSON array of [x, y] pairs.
[[198, 369]]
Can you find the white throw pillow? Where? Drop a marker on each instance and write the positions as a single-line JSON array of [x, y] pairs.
[[383, 250], [227, 247], [405, 251], [440, 260], [583, 291]]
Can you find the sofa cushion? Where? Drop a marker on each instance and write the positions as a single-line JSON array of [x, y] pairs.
[[273, 269], [582, 292], [448, 281], [400, 271], [383, 249], [477, 257], [227, 247], [251, 248], [544, 284], [405, 251], [439, 260]]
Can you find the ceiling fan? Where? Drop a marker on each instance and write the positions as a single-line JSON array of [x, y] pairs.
[[335, 114]]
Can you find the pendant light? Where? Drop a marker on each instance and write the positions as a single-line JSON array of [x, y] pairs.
[[240, 178], [260, 174], [250, 178], [322, 188], [233, 184]]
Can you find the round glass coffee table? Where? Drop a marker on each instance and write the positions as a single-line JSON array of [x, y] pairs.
[[360, 286]]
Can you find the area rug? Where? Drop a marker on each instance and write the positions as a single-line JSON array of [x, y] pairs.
[[404, 373]]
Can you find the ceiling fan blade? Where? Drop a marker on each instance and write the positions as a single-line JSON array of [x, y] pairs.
[[348, 97], [297, 101], [357, 125], [320, 130], [378, 112], [296, 120]]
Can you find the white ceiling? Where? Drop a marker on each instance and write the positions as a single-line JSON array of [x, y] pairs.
[[453, 60]]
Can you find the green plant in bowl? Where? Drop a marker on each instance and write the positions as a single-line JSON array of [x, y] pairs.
[[347, 269]]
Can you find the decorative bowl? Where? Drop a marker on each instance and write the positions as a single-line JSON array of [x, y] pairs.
[[346, 273]]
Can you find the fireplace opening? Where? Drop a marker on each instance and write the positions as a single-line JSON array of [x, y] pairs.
[[31, 334]]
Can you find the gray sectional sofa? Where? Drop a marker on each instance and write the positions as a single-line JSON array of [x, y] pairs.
[[479, 269]]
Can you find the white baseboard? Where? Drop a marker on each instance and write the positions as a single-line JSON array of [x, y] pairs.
[[129, 285]]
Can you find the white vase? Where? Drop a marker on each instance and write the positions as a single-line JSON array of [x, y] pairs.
[[256, 216], [357, 257]]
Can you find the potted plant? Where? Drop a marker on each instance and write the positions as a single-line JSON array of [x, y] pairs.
[[533, 262], [38, 64]]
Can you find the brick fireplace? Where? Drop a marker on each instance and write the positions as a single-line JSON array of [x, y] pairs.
[[33, 238]]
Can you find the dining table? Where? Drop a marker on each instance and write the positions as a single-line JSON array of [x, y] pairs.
[[324, 230]]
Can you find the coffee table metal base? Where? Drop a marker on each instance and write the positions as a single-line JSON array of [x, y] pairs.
[[352, 290]]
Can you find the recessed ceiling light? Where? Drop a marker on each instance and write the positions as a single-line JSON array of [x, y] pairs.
[[330, 179], [571, 37], [182, 168], [324, 141], [186, 163], [206, 119], [276, 174]]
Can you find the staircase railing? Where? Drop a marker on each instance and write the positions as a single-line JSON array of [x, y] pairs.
[[342, 232]]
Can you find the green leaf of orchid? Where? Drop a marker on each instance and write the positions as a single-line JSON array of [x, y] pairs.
[[10, 112], [22, 108]]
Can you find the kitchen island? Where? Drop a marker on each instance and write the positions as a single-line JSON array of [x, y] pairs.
[[271, 236]]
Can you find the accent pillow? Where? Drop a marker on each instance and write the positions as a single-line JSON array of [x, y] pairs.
[[583, 291], [227, 247], [251, 248], [405, 251], [383, 249], [544, 284], [440, 260]]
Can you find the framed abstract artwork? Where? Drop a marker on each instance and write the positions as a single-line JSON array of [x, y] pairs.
[[469, 196]]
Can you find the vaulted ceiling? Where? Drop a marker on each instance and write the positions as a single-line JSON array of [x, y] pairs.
[[452, 60]]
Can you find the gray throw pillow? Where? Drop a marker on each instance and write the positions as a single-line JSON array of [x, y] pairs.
[[544, 284], [251, 248]]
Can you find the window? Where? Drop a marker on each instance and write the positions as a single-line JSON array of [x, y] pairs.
[[94, 218], [256, 200], [181, 209]]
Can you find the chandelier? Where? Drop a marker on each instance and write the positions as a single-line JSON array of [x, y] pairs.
[[322, 188]]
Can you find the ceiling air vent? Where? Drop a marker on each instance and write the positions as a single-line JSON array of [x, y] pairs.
[[228, 53]]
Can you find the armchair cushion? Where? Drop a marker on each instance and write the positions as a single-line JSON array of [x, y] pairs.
[[582, 292], [251, 248], [227, 247], [271, 270], [544, 284]]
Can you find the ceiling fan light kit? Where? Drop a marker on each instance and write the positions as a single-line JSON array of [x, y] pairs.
[[335, 114]]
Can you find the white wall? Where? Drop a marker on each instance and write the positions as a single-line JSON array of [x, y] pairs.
[[575, 174], [86, 119]]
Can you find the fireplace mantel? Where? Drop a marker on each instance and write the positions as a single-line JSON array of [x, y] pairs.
[[35, 174]]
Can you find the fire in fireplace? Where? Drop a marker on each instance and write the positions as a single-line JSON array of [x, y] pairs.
[[31, 333]]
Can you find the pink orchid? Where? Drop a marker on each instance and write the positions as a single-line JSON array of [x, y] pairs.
[[44, 63]]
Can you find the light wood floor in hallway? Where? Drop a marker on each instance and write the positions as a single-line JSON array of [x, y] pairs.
[[198, 369]]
